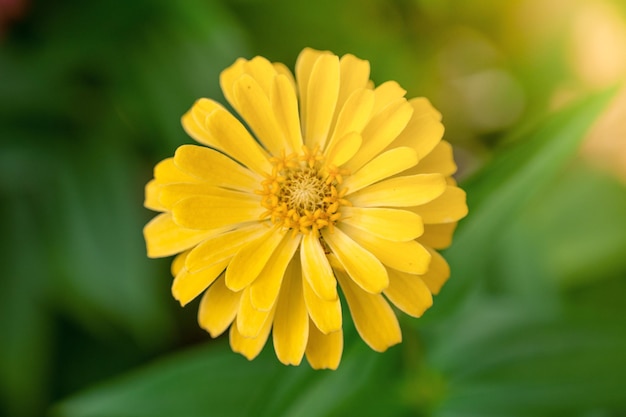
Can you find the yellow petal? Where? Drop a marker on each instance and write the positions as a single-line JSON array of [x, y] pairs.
[[218, 308], [164, 237], [316, 269], [373, 317], [385, 94], [215, 168], [422, 133], [304, 66], [322, 91], [440, 160], [285, 107], [408, 256], [170, 194], [354, 75], [250, 321], [438, 272], [324, 350], [353, 115], [255, 108], [250, 347], [391, 224], [384, 165], [228, 77], [262, 71], [179, 262], [208, 212], [265, 289], [194, 122], [361, 265], [222, 246], [438, 236], [248, 263], [381, 130], [188, 285], [340, 151], [152, 197], [422, 105], [282, 69], [449, 207], [166, 172], [409, 293], [325, 314], [291, 322], [236, 141], [405, 191]]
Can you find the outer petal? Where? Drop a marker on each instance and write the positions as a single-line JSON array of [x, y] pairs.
[[408, 256], [285, 107], [409, 293], [222, 246], [422, 133], [373, 317], [304, 66], [324, 350], [265, 289], [228, 77], [291, 322], [438, 236], [255, 108], [188, 285], [218, 308], [383, 166], [316, 268], [391, 224], [361, 265], [262, 71], [321, 100], [248, 263], [440, 160], [438, 272], [449, 207], [381, 131], [250, 347], [404, 191], [166, 172], [215, 168], [355, 74], [164, 237], [170, 194], [208, 212], [236, 141], [151, 200], [250, 321], [354, 115], [179, 262], [194, 122], [387, 93], [325, 314]]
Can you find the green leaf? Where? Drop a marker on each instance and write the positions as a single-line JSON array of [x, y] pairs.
[[498, 193], [213, 381], [507, 360]]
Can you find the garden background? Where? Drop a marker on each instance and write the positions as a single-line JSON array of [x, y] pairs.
[[532, 321]]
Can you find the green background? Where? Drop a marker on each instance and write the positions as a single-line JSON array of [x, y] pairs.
[[531, 322]]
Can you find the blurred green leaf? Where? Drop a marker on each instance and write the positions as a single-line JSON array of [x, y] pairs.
[[212, 381], [499, 192], [506, 360]]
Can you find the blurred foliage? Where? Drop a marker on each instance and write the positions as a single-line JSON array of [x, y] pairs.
[[531, 322]]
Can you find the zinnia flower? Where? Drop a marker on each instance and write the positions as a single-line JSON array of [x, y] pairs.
[[337, 187]]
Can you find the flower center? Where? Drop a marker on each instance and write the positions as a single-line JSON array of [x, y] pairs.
[[302, 193]]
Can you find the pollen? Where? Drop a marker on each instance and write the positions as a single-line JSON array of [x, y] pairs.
[[302, 193]]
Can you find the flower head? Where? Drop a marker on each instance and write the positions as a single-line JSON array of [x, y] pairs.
[[335, 186]]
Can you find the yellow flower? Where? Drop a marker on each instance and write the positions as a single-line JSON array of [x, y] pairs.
[[338, 183]]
